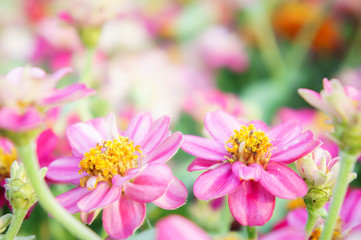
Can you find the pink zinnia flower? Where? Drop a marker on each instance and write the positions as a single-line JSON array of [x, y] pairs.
[[247, 162], [348, 226], [176, 227], [27, 92], [119, 173]]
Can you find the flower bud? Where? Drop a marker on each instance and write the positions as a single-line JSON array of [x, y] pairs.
[[320, 171], [19, 191]]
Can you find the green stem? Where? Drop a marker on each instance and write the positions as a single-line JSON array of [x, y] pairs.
[[311, 221], [46, 199], [347, 165], [266, 40], [252, 233], [19, 215]]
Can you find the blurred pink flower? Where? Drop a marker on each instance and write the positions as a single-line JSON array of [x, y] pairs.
[[27, 92], [55, 44], [247, 162], [313, 120], [219, 47], [175, 227], [205, 100], [348, 227], [119, 173], [342, 103]]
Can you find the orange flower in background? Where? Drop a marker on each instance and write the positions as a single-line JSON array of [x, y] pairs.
[[290, 18]]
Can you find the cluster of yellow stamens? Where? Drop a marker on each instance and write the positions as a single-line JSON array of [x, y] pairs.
[[249, 146], [6, 159], [110, 158]]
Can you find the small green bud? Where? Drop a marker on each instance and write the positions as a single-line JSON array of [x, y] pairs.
[[19, 191]]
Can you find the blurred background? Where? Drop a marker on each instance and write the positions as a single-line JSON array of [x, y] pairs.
[[184, 58]]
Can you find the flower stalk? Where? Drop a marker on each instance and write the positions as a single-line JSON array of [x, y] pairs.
[[19, 215], [46, 199], [251, 233], [347, 165], [311, 220]]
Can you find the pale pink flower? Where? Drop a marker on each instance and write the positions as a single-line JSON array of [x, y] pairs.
[[205, 100], [119, 173], [26, 93], [348, 226], [219, 48], [247, 163], [320, 170], [175, 227], [341, 103]]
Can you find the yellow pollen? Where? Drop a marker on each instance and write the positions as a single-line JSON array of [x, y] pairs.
[[110, 158], [249, 146], [6, 159]]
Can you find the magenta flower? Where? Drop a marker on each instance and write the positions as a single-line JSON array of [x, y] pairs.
[[348, 226], [247, 162], [119, 173], [175, 227], [27, 92]]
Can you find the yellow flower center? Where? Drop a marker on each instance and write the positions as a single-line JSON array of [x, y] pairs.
[[6, 159], [110, 158], [249, 146]]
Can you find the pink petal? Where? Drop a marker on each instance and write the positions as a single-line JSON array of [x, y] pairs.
[[70, 198], [139, 127], [82, 137], [327, 85], [156, 134], [166, 150], [295, 149], [100, 197], [107, 127], [251, 204], [284, 234], [221, 125], [88, 218], [282, 182], [297, 219], [348, 213], [202, 164], [313, 98], [119, 180], [61, 73], [150, 184], [122, 218], [215, 183], [175, 227], [284, 132], [243, 172], [204, 148], [174, 196], [11, 120], [65, 170], [46, 144], [67, 94]]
